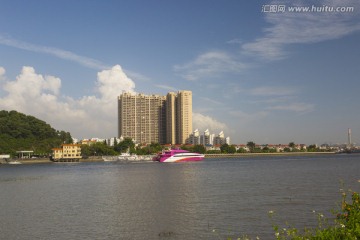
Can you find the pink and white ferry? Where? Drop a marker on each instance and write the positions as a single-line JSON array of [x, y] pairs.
[[178, 155]]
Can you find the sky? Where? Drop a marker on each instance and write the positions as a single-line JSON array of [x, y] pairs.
[[259, 70]]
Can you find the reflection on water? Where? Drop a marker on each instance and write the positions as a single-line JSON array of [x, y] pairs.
[[170, 201]]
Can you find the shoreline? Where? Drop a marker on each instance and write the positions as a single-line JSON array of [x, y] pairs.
[[223, 155], [46, 160], [266, 154]]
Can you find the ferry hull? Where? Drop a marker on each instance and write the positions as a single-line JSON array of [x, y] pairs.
[[183, 159], [178, 156]]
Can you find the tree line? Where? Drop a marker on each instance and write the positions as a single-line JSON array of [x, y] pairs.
[[20, 132], [128, 146]]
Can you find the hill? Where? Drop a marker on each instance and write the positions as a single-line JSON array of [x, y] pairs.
[[23, 132]]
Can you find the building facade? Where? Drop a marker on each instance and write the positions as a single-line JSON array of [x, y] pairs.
[[194, 138], [141, 117], [207, 138], [183, 116], [155, 118], [171, 118], [67, 151]]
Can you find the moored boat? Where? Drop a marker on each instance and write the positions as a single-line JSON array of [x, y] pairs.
[[178, 155], [14, 162]]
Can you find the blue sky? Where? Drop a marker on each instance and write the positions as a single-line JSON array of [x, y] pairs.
[[267, 77]]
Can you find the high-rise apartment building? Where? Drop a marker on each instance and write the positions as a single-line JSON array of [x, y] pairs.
[[183, 116], [141, 117], [171, 118], [154, 118]]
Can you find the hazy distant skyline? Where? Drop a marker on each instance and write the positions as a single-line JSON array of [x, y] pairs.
[[257, 71]]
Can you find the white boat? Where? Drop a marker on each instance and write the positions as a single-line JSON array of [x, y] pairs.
[[14, 162], [178, 155], [124, 156], [110, 159]]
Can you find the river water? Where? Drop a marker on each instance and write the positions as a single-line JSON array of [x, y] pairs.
[[212, 199]]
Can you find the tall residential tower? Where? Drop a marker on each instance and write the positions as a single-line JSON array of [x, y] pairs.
[[183, 116], [141, 117], [154, 118]]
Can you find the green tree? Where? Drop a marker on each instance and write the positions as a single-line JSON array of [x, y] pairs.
[[149, 149], [23, 132], [231, 149], [287, 149], [125, 145], [65, 137], [187, 147], [312, 148], [241, 150], [266, 149], [251, 145], [199, 148], [224, 148], [155, 148]]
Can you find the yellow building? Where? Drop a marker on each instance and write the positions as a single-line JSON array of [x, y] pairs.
[[67, 152]]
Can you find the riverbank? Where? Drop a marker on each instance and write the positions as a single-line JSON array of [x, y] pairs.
[[232, 155], [223, 155], [47, 160]]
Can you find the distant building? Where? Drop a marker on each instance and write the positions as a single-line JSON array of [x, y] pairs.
[[220, 139], [207, 138], [88, 142], [194, 138], [67, 151], [111, 141], [155, 118]]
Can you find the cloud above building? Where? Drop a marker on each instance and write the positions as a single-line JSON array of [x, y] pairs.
[[40, 96], [203, 122], [89, 116]]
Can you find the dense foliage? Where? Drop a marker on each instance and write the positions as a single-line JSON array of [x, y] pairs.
[[20, 132], [126, 145]]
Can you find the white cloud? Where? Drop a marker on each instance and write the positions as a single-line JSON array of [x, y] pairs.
[[209, 64], [2, 72], [235, 41], [37, 95], [63, 54], [245, 118], [280, 99], [303, 27], [112, 82], [210, 101], [203, 122], [2, 77], [298, 107], [272, 91], [166, 87]]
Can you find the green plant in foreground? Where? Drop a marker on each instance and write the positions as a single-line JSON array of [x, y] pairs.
[[346, 224]]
